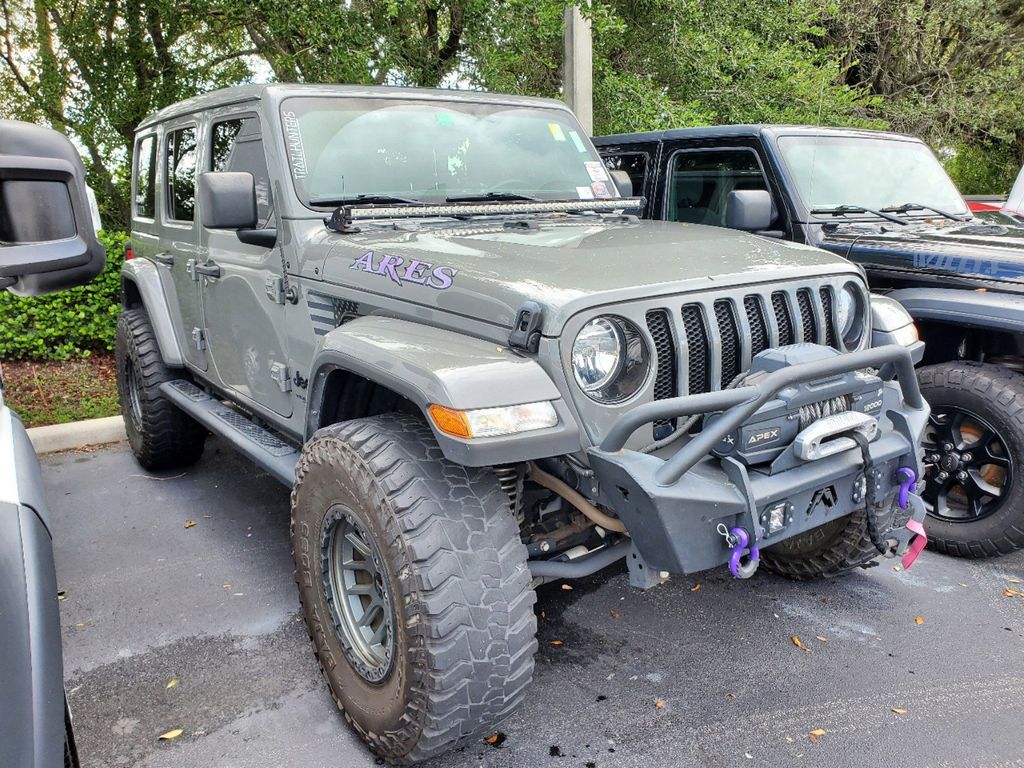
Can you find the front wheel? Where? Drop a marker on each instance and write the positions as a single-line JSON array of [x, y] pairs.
[[973, 446], [414, 586]]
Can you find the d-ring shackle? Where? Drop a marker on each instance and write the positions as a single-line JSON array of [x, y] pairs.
[[738, 567]]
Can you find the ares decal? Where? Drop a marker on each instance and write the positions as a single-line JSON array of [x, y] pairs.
[[401, 271]]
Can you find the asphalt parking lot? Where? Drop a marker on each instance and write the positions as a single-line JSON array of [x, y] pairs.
[[677, 676]]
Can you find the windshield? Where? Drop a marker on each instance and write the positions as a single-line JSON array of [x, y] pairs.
[[877, 173], [430, 151]]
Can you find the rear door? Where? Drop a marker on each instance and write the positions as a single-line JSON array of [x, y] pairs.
[[243, 305]]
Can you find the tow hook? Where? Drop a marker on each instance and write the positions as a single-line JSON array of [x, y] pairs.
[[745, 556], [908, 480]]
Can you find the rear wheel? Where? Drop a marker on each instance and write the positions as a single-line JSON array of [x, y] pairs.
[[414, 586], [831, 549], [974, 445]]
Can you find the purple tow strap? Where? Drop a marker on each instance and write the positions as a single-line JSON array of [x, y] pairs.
[[739, 569], [908, 482]]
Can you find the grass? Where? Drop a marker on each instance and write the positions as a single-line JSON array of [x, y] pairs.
[[58, 392]]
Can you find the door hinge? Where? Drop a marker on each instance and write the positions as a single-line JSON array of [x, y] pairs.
[[199, 338], [275, 289], [279, 373], [190, 266]]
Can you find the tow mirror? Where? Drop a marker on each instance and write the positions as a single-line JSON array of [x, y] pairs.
[[749, 209], [622, 182], [227, 200], [47, 233]]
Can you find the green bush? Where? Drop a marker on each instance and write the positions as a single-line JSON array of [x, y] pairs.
[[69, 323]]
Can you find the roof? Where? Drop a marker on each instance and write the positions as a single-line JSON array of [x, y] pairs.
[[241, 93], [741, 131]]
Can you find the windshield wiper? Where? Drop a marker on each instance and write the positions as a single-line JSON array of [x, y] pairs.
[[489, 196], [841, 210], [907, 207], [364, 200]]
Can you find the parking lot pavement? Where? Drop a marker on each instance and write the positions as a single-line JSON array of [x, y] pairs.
[[150, 599]]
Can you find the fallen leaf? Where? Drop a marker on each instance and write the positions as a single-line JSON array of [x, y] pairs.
[[731, 696], [821, 637], [695, 587], [556, 643], [543, 615], [614, 614], [659, 704], [798, 644], [961, 584], [1014, 581], [188, 524], [567, 587], [79, 625], [816, 734], [62, 595], [1012, 593], [226, 586], [899, 711], [496, 740], [171, 734], [897, 568], [919, 620], [173, 683]]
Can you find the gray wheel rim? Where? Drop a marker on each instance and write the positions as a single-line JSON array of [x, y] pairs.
[[131, 383], [356, 587]]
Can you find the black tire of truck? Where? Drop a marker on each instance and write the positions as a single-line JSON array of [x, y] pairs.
[[160, 434], [447, 548], [996, 395], [836, 548]]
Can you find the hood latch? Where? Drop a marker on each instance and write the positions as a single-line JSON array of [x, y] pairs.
[[526, 331]]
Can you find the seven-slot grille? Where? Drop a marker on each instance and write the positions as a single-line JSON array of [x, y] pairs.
[[704, 345]]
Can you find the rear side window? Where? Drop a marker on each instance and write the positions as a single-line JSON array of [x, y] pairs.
[[700, 183], [634, 164], [181, 174], [145, 178], [238, 146]]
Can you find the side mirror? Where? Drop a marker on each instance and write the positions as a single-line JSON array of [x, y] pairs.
[[622, 182], [227, 200], [47, 237], [749, 209]]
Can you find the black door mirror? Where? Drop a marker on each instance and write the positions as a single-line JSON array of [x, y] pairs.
[[622, 182], [749, 209], [47, 237], [227, 200]]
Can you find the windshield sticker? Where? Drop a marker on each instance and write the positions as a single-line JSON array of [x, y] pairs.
[[577, 141], [444, 119], [556, 131], [585, 193], [596, 170], [401, 271], [600, 189], [293, 139]]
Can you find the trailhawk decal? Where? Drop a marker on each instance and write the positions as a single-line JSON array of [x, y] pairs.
[[402, 270]]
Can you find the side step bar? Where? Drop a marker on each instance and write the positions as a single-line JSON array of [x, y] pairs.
[[256, 443]]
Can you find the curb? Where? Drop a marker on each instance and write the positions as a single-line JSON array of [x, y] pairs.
[[65, 437]]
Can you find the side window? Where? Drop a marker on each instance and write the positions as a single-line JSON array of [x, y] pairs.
[[700, 183], [633, 163], [145, 178], [181, 174], [238, 146]]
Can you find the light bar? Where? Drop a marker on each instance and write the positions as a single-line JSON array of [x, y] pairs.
[[350, 213], [494, 422]]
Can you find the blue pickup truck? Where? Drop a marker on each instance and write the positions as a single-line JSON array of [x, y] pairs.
[[884, 201], [47, 243]]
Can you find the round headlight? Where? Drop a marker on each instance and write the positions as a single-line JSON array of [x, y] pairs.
[[610, 359], [850, 315]]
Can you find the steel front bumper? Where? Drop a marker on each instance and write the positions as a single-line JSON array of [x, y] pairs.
[[673, 508]]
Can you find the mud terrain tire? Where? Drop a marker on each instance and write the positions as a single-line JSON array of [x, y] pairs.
[[832, 549]]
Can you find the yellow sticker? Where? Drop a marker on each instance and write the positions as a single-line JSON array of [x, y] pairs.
[[556, 131]]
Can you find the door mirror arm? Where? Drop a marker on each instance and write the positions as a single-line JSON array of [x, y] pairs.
[[267, 237]]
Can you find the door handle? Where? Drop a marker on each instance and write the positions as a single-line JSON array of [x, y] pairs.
[[209, 270], [164, 258]]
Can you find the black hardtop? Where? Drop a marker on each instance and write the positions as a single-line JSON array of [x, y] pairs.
[[751, 130]]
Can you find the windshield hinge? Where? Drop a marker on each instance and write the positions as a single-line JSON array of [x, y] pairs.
[[526, 331], [341, 220]]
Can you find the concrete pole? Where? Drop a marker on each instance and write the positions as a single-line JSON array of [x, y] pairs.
[[578, 67]]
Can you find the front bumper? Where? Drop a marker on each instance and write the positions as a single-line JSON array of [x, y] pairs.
[[673, 507]]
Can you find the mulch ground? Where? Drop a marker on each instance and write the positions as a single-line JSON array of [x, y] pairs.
[[62, 391]]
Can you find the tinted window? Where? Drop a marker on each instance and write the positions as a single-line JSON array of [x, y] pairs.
[[181, 174], [700, 183], [238, 146], [633, 163], [145, 183]]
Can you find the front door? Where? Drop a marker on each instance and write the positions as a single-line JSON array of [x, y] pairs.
[[243, 302]]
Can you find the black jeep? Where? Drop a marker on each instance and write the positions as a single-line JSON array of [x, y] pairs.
[[883, 200]]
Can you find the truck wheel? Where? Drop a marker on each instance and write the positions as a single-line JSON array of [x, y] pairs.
[[414, 586], [834, 548], [160, 434], [974, 442]]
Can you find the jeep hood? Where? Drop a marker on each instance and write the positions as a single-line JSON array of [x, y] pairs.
[[983, 252], [486, 270]]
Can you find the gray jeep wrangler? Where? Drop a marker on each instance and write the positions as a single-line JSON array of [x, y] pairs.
[[431, 314]]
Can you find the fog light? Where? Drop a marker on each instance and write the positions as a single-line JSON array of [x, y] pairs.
[[494, 422], [776, 517]]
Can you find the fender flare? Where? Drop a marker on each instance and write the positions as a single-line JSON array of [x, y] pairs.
[[428, 365], [143, 274], [973, 309]]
